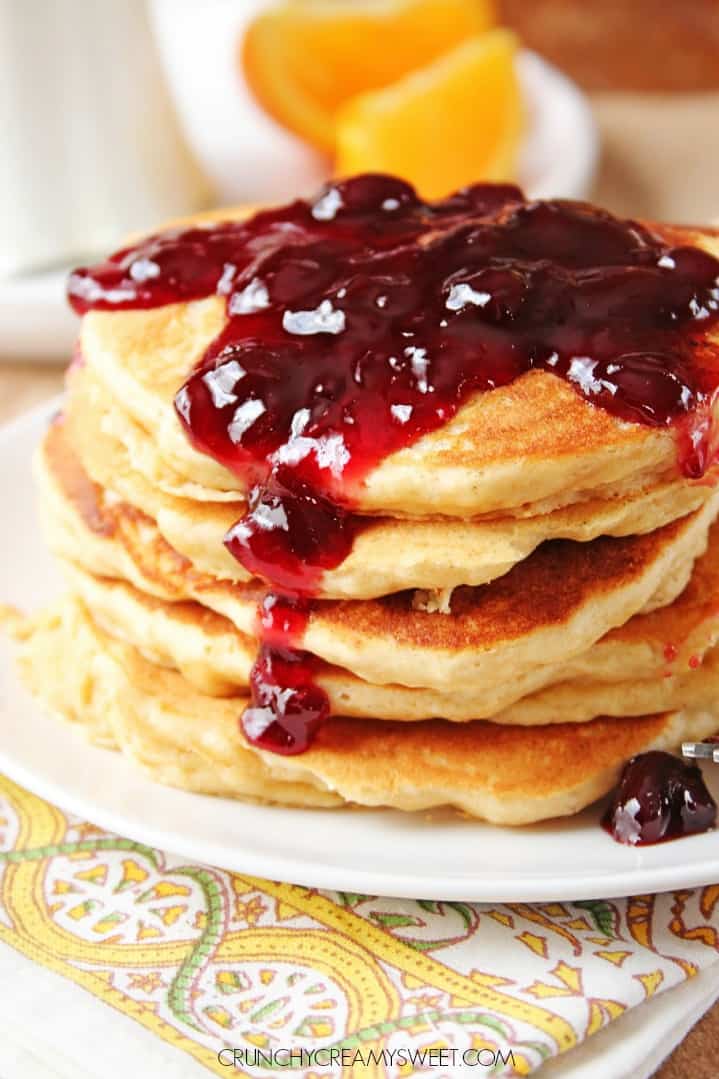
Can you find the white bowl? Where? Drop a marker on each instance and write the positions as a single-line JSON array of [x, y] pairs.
[[561, 148]]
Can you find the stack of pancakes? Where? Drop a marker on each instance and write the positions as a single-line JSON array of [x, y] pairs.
[[535, 600]]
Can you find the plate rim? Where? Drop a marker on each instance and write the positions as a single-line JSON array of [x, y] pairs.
[[324, 876]]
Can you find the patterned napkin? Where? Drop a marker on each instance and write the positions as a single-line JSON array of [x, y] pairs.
[[281, 979]]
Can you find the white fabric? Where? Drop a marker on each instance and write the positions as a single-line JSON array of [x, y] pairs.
[[634, 1046], [53, 1029]]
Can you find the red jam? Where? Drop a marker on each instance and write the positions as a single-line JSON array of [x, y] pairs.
[[364, 318], [291, 534], [671, 651], [659, 797], [287, 706]]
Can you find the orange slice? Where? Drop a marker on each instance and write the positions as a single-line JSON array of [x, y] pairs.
[[452, 123], [304, 59]]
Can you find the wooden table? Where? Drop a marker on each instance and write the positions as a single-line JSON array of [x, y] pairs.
[[660, 160], [23, 385]]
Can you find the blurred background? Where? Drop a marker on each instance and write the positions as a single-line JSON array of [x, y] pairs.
[[118, 117]]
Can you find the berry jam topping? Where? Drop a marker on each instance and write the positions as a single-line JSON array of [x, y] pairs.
[[659, 797], [287, 706], [364, 318]]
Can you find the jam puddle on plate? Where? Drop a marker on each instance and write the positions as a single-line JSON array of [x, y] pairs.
[[659, 797]]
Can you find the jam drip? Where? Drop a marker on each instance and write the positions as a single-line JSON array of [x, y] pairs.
[[362, 319], [291, 534], [659, 797], [287, 707]]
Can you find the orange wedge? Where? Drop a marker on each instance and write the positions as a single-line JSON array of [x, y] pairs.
[[304, 59], [456, 121]]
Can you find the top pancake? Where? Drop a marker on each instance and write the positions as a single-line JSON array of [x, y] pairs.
[[532, 441], [437, 555]]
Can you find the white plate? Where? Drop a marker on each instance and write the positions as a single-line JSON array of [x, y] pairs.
[[558, 160], [437, 856]]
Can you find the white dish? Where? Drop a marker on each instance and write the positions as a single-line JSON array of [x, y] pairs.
[[558, 160], [437, 856], [37, 325]]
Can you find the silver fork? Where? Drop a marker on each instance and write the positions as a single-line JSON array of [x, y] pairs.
[[704, 751]]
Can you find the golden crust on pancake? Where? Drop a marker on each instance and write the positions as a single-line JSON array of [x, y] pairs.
[[506, 775], [433, 555], [532, 440], [179, 737], [216, 659], [549, 608]]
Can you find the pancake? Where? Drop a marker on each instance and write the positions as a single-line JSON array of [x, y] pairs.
[[203, 646], [140, 447], [546, 611], [433, 555], [184, 739], [534, 440], [577, 701], [665, 659], [188, 749]]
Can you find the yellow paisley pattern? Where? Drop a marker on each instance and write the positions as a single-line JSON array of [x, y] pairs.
[[210, 960]]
